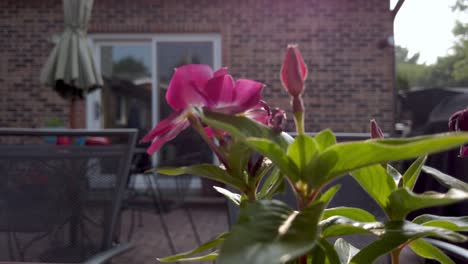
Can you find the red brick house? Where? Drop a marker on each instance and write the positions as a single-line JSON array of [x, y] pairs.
[[141, 41]]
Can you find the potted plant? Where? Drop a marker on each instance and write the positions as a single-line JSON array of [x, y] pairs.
[[258, 159]]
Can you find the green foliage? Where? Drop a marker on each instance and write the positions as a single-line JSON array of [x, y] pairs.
[[398, 233], [403, 201], [450, 223], [270, 232], [345, 250], [428, 251], [130, 68], [408, 72], [376, 182], [54, 122], [412, 174], [260, 162], [205, 170], [446, 180], [190, 255]]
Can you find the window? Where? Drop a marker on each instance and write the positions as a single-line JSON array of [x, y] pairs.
[[136, 70]]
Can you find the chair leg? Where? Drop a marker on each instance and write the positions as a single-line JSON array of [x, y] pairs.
[[192, 224], [132, 225], [158, 203], [11, 252]]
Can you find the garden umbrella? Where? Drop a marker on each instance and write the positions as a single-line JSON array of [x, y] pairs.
[[71, 69]]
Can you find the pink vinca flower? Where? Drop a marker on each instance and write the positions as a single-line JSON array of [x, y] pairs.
[[458, 121], [196, 85]]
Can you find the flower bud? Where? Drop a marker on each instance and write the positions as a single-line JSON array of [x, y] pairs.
[[293, 71], [459, 121], [278, 120], [376, 132]]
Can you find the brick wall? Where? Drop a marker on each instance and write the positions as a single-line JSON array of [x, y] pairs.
[[350, 77]]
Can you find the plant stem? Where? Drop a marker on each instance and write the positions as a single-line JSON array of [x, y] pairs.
[[299, 120], [196, 124], [396, 256], [252, 195]]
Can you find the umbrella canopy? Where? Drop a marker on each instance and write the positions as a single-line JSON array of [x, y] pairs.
[[71, 68]]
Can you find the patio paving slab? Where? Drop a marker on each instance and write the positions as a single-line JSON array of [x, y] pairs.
[[151, 243]]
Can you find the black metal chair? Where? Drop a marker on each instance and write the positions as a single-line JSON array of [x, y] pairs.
[[151, 192], [60, 199]]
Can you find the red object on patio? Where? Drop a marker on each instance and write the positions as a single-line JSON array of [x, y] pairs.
[[97, 141]]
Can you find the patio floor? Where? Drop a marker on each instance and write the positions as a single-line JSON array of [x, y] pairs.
[[151, 243]]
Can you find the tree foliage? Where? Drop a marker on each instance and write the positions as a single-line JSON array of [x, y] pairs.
[[409, 72], [448, 71]]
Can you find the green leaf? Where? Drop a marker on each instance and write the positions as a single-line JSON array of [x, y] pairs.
[[345, 250], [208, 257], [329, 250], [277, 155], [188, 256], [304, 151], [376, 182], [269, 232], [325, 139], [273, 184], [429, 251], [340, 226], [400, 232], [446, 180], [376, 249], [356, 214], [317, 256], [238, 158], [394, 173], [243, 127], [234, 197], [204, 170], [403, 201], [345, 157], [328, 195], [450, 223], [412, 174]]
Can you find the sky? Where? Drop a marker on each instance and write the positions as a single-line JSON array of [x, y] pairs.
[[425, 26]]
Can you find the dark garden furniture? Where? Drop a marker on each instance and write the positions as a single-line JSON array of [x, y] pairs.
[[60, 198]]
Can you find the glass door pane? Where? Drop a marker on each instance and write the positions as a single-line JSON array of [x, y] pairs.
[[127, 87], [188, 148]]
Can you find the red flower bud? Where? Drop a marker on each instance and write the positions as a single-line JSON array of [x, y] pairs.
[[278, 120], [293, 71], [459, 121], [376, 132]]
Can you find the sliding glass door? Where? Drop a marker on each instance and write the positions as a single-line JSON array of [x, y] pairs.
[[137, 70]]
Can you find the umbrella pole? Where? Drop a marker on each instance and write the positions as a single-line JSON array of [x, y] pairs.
[[72, 113]]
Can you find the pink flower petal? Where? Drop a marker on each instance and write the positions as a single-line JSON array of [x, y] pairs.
[[463, 151], [175, 130], [210, 132], [221, 72], [302, 65], [161, 128], [247, 95], [459, 121], [186, 86], [220, 90], [259, 115]]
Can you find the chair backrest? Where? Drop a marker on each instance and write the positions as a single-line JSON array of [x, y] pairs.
[[59, 195]]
